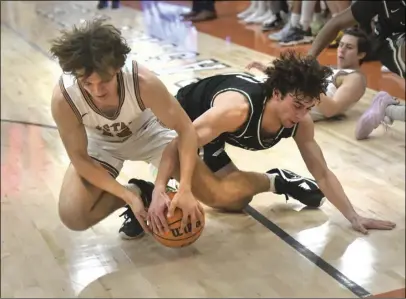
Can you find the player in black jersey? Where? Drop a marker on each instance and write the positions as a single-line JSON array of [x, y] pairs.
[[388, 35], [255, 115]]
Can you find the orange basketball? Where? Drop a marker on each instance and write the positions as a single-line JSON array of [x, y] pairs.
[[175, 237]]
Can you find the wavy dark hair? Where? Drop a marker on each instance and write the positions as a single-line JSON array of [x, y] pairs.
[[92, 47], [299, 75]]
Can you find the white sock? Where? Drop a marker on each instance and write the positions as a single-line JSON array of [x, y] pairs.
[[396, 112], [295, 19], [271, 177], [307, 13]]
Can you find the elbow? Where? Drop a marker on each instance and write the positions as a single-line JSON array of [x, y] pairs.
[[78, 161]]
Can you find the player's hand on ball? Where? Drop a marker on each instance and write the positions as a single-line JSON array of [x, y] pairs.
[[190, 207], [363, 224], [136, 205], [156, 211]]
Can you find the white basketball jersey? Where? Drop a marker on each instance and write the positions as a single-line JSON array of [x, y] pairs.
[[130, 116], [331, 88]]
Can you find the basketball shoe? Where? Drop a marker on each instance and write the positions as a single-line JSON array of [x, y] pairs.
[[300, 188], [131, 228]]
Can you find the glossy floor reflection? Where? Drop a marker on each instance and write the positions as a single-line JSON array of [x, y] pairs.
[[236, 256]]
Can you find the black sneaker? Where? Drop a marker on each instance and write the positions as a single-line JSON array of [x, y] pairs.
[[131, 228], [273, 25], [302, 189]]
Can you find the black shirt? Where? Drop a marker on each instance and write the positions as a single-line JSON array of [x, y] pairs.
[[198, 97], [391, 15]]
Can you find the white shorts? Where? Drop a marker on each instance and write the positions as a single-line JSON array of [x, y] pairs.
[[146, 145]]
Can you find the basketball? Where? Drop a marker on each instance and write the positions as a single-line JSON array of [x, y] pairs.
[[175, 237]]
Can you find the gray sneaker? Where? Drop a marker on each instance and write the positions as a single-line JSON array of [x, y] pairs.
[[296, 36], [281, 34]]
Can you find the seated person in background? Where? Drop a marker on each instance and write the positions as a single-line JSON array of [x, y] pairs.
[[389, 37], [348, 84]]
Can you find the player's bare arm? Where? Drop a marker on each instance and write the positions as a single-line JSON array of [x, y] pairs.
[[155, 96], [229, 112], [330, 30], [350, 88], [73, 135], [328, 182]]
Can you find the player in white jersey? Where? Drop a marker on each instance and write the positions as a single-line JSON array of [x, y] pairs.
[[109, 110], [347, 84]]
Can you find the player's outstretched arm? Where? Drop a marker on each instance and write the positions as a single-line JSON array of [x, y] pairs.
[[167, 109], [328, 182], [330, 31]]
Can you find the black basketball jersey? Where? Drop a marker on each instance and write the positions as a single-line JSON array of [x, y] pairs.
[[198, 97]]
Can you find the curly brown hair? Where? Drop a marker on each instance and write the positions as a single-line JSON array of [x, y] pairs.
[[302, 76], [92, 47]]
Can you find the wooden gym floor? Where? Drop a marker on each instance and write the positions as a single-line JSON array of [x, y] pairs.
[[277, 249]]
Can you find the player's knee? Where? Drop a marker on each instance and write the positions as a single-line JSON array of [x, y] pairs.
[[72, 217]]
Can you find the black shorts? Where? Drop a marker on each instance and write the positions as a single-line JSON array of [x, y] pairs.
[[389, 53], [214, 155]]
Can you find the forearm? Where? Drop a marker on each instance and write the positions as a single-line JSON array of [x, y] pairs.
[[96, 175], [187, 147], [324, 38], [169, 160], [334, 192]]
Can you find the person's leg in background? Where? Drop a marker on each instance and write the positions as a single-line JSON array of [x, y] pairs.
[[205, 11], [115, 4], [262, 10], [194, 10], [301, 33], [264, 15], [279, 8], [103, 4], [384, 108], [335, 8], [294, 20], [318, 19], [250, 10]]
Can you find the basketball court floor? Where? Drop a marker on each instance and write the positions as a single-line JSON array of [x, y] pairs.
[[276, 249]]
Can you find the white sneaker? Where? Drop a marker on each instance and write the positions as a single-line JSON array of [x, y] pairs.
[[265, 17], [253, 17], [270, 20], [259, 11], [248, 11]]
